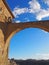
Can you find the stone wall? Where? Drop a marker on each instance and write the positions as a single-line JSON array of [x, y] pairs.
[[4, 13]]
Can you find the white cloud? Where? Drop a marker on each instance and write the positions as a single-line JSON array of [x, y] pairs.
[[44, 31], [46, 2], [17, 21], [41, 56], [18, 11], [34, 6], [42, 14]]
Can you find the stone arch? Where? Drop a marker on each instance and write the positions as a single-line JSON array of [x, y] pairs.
[[9, 29], [16, 27], [40, 31], [19, 31]]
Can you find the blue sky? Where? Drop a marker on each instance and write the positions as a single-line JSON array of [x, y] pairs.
[[31, 43]]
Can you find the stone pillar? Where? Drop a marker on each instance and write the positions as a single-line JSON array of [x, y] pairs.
[[3, 51]]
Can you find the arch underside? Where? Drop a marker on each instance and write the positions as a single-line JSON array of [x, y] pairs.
[[9, 29], [16, 27], [13, 28], [20, 29]]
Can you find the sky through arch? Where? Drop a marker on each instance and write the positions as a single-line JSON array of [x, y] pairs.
[[31, 43]]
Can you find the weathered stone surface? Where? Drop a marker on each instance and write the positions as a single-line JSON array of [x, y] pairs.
[[5, 12]]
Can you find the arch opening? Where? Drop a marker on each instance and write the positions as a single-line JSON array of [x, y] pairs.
[[29, 43]]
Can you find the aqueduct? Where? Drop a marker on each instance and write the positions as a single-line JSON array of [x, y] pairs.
[[8, 29]]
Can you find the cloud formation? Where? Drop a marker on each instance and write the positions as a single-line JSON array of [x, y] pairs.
[[17, 21], [34, 8], [46, 2], [42, 14], [19, 11], [41, 56]]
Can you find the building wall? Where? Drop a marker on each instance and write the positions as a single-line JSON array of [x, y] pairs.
[[4, 13]]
